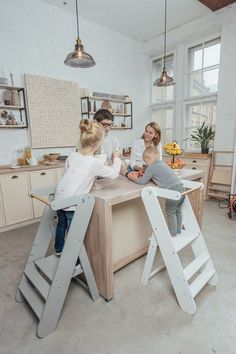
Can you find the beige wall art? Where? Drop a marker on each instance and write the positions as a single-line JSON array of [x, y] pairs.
[[54, 111]]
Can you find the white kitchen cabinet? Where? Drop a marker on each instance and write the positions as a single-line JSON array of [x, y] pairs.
[[41, 179], [2, 217], [199, 162], [16, 200]]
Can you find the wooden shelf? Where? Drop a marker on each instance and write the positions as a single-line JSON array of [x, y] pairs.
[[218, 195], [113, 128], [114, 114], [222, 188], [21, 115], [13, 126], [12, 107], [96, 98], [88, 109], [8, 87]]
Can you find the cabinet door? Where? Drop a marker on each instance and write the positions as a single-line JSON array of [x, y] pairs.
[[2, 217], [58, 174], [41, 179], [16, 200]]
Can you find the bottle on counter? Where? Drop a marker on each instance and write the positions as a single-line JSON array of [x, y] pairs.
[[94, 106], [27, 154], [15, 99], [6, 97]]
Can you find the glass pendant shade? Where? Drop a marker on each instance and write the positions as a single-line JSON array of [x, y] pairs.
[[164, 79], [79, 58]]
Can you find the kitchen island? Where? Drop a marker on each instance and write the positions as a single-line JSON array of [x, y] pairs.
[[119, 228]]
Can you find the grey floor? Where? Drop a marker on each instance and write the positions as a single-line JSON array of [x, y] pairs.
[[139, 319]]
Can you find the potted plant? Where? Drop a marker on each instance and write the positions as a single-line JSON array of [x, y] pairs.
[[203, 136]]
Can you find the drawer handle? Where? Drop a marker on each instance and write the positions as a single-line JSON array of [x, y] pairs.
[[14, 177], [43, 174], [194, 161], [194, 168]]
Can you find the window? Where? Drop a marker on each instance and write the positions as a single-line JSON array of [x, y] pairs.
[[197, 113], [164, 118], [162, 93], [200, 105], [204, 62]]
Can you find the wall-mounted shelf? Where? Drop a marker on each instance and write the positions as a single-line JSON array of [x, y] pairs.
[[14, 93], [122, 110]]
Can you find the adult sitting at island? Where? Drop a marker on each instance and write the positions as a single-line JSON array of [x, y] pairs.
[[150, 137], [110, 144]]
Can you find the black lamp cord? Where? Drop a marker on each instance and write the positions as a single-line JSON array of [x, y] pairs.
[[77, 17], [164, 59]]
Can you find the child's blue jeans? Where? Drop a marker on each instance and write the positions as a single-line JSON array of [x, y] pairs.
[[63, 225]]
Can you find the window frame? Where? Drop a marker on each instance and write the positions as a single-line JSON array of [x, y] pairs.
[[187, 99]]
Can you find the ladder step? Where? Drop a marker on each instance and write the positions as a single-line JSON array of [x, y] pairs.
[[194, 266], [49, 266], [32, 297], [200, 281], [37, 280], [183, 240]]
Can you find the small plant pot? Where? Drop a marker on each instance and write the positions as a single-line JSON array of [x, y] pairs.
[[205, 150]]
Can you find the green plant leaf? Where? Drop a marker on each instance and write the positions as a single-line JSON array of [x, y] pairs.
[[203, 135]]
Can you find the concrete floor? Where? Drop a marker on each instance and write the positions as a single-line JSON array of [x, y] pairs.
[[139, 319]]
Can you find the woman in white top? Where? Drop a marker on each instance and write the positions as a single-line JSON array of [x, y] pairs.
[[80, 172], [150, 137]]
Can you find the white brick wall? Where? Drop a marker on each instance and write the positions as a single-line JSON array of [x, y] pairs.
[[35, 38]]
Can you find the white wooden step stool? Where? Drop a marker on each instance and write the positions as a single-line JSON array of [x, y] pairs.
[[46, 279], [201, 267]]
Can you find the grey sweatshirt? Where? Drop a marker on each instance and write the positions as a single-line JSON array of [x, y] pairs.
[[161, 174]]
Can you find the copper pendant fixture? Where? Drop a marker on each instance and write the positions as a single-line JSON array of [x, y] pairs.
[[79, 58], [164, 79]]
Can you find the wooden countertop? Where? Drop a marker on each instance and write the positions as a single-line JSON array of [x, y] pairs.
[[119, 190], [6, 169]]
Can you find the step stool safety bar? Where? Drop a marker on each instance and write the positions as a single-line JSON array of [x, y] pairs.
[[201, 268], [45, 280]]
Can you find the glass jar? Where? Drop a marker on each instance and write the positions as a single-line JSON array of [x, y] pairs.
[[21, 161], [27, 153]]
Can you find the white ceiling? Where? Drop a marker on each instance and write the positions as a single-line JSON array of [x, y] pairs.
[[142, 20]]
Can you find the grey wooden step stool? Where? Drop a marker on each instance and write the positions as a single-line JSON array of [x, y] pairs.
[[46, 279], [188, 281]]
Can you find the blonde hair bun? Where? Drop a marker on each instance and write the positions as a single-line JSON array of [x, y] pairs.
[[85, 125], [91, 134]]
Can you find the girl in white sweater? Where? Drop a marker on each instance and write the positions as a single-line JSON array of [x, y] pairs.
[[80, 172]]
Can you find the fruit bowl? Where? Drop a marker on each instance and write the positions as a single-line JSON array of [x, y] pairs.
[[178, 164], [52, 157]]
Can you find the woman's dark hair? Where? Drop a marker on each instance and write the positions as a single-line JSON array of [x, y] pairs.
[[157, 129], [102, 114]]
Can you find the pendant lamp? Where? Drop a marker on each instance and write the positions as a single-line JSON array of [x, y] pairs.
[[79, 58], [164, 79]]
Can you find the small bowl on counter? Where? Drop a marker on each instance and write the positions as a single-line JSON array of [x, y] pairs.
[[51, 157]]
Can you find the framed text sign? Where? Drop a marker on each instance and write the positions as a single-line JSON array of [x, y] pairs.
[[54, 111]]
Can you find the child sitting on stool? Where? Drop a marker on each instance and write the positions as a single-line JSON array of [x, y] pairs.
[[80, 172], [158, 171]]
